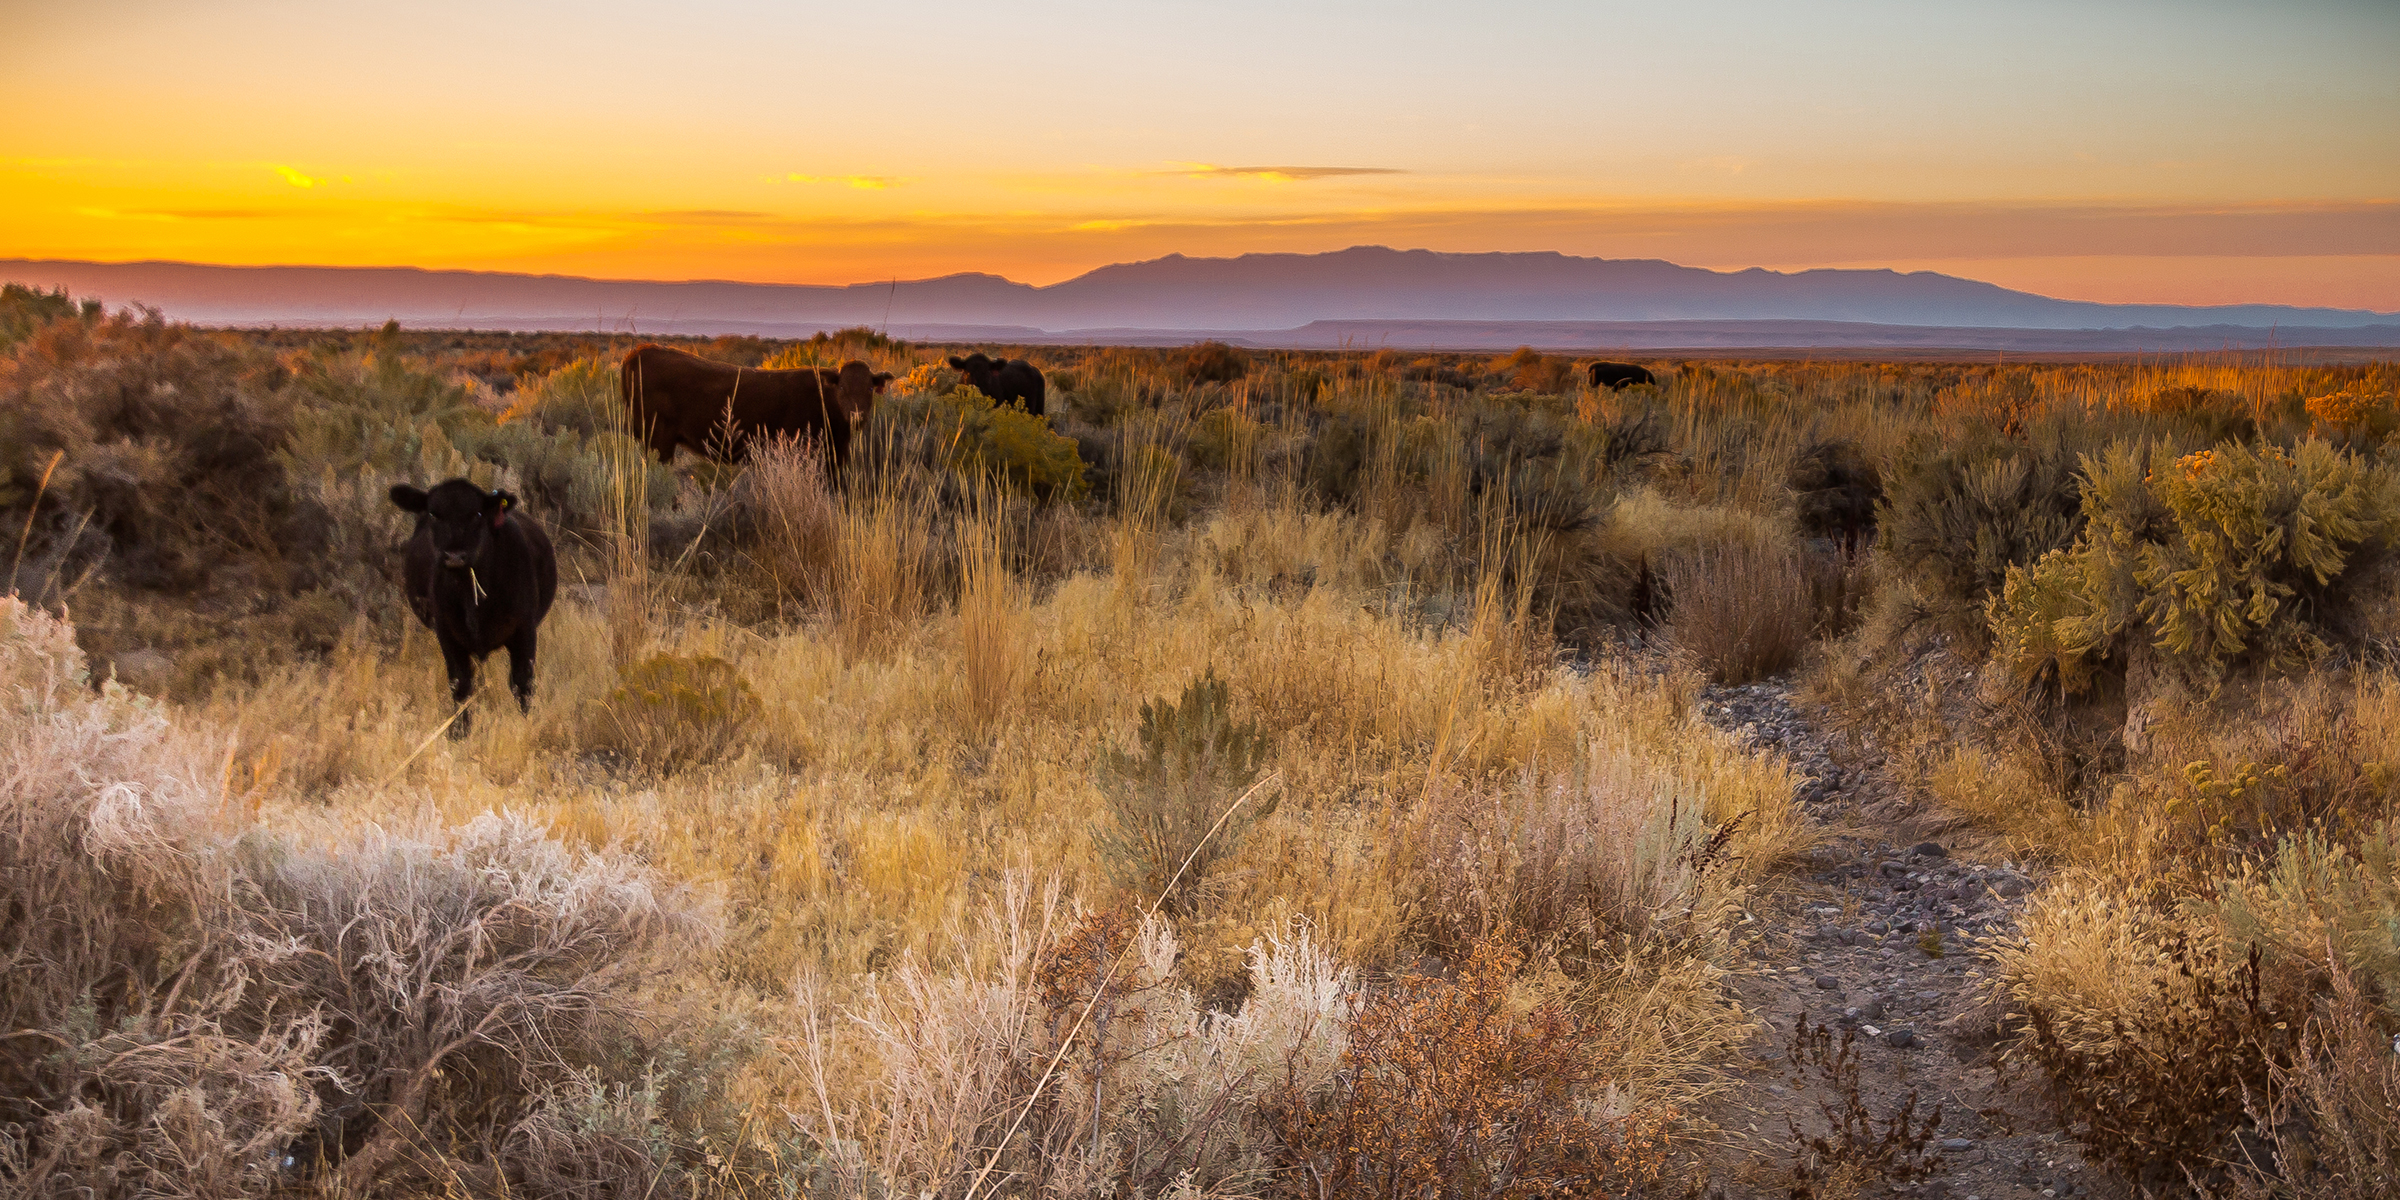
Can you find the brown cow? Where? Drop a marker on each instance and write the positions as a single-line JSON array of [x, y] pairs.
[[678, 399]]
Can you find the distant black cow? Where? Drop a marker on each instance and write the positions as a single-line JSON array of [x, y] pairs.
[[679, 399], [1620, 375], [480, 577], [1007, 380]]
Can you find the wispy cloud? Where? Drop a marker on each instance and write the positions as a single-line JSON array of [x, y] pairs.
[[296, 178], [1275, 174], [865, 183]]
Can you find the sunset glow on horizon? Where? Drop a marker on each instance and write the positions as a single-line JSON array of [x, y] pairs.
[[2176, 153]]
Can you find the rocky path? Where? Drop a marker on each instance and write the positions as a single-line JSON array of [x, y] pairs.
[[1873, 944]]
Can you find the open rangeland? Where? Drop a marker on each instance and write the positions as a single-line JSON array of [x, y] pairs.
[[1276, 774]]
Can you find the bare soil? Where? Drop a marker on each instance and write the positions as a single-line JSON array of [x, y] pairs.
[[1873, 946]]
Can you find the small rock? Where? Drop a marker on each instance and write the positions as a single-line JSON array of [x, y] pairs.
[[143, 670], [1928, 850], [1878, 927], [1872, 1010], [1958, 1145], [1901, 1039], [1828, 983]]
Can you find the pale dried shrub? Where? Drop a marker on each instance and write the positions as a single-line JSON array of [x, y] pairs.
[[928, 1061], [205, 1008], [475, 964], [1157, 1089], [136, 1062], [929, 1077]]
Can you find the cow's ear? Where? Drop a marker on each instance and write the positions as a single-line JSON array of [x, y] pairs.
[[409, 498], [882, 379], [500, 502], [958, 362]]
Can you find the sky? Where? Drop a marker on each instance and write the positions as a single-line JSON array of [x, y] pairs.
[[2173, 152]]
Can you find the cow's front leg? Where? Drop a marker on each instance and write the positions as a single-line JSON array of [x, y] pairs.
[[461, 667], [520, 668]]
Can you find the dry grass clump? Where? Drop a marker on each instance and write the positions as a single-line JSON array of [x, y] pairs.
[[1743, 612], [1456, 1087], [794, 518], [672, 711], [1609, 844], [2332, 1113]]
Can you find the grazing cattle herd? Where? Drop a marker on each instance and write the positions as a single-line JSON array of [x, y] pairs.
[[482, 577]]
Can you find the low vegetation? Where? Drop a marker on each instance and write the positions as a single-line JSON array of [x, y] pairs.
[[1270, 773]]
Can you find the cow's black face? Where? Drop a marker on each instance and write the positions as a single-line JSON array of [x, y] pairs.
[[459, 515], [978, 369]]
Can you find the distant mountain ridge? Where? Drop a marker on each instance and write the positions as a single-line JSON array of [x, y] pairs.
[[1368, 284]]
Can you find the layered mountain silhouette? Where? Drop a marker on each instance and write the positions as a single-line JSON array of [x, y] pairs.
[[1411, 297]]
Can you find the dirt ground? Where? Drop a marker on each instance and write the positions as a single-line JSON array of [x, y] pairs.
[[1872, 946]]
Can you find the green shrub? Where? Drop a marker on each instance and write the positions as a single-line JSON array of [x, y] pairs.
[[143, 445], [672, 711], [1193, 762], [24, 310], [2319, 897], [975, 436], [582, 396], [1222, 439], [1337, 459], [369, 412], [569, 478], [1954, 522], [2217, 558], [929, 379]]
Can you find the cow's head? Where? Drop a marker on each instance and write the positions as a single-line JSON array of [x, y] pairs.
[[978, 369], [460, 516], [855, 387]]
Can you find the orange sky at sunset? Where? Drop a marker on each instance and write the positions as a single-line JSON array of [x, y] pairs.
[[2191, 152]]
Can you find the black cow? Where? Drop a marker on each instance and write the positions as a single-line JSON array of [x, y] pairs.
[[1007, 380], [1619, 375], [680, 399], [480, 577]]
